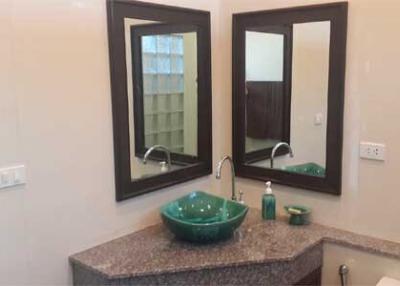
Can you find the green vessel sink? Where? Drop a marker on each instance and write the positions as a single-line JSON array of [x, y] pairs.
[[311, 169], [203, 218]]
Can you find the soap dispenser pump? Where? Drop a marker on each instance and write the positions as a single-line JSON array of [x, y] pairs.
[[268, 204]]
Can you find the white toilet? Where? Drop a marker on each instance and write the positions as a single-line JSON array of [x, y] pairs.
[[386, 281]]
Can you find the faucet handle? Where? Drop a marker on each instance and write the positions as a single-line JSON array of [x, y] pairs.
[[241, 201]]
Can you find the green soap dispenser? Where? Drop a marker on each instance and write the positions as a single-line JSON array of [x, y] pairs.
[[268, 204]]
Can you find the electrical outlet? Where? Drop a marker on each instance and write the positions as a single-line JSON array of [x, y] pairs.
[[372, 151], [12, 176]]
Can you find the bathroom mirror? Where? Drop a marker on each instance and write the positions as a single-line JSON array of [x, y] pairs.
[[161, 95], [288, 89]]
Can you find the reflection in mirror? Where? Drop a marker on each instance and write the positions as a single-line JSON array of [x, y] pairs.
[[287, 73], [161, 62]]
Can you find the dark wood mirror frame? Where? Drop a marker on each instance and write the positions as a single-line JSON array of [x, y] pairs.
[[336, 13], [117, 11]]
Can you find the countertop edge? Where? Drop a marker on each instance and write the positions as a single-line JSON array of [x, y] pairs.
[[198, 268], [364, 247], [74, 261], [330, 235]]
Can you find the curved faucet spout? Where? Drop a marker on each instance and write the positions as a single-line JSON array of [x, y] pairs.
[[159, 147], [218, 174], [276, 147]]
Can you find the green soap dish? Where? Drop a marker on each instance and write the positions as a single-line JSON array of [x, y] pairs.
[[298, 215]]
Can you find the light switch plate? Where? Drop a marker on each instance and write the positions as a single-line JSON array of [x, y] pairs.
[[12, 176], [318, 118], [372, 151]]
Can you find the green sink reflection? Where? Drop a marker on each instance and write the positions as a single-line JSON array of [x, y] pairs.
[[311, 169], [203, 218]]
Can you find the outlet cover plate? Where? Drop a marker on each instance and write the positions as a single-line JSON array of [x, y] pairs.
[[12, 176], [372, 151]]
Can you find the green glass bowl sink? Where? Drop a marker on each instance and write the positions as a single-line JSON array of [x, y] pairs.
[[203, 218], [311, 169]]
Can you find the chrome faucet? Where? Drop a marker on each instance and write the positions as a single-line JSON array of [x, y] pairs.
[[159, 147], [218, 175], [343, 273], [276, 147]]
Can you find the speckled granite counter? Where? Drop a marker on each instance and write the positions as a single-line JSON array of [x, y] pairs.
[[260, 252]]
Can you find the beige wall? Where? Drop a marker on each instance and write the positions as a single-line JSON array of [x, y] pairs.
[[56, 117], [190, 95], [309, 91]]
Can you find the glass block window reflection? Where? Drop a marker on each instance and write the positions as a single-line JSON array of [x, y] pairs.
[[163, 90]]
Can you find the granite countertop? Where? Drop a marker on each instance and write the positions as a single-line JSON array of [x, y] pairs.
[[154, 250]]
